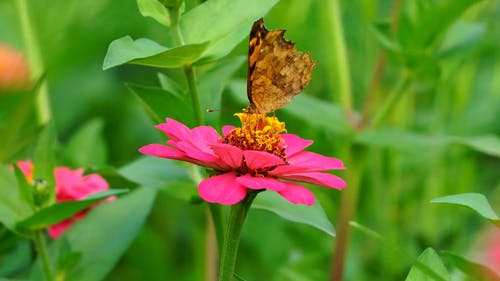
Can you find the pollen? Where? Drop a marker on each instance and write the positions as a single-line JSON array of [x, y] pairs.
[[258, 132]]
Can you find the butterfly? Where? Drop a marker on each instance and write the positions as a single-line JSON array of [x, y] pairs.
[[277, 72]]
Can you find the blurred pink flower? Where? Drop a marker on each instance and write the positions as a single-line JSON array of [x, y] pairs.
[[27, 168], [487, 250], [256, 156], [70, 185], [13, 69]]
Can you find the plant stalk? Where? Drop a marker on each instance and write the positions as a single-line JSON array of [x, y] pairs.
[[232, 237], [35, 63], [214, 223], [347, 211], [189, 71], [391, 101], [41, 248], [217, 216], [195, 95], [339, 60], [370, 97]]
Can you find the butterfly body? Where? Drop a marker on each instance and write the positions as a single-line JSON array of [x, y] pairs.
[[277, 72]]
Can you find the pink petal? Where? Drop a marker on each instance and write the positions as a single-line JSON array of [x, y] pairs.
[[261, 183], [227, 129], [69, 184], [204, 134], [323, 179], [162, 151], [199, 142], [72, 185], [297, 194], [231, 155], [308, 162], [26, 168], [222, 189], [259, 159], [205, 155], [294, 144], [95, 183], [174, 129]]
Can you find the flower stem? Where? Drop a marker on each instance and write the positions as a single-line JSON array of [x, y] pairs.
[[195, 95], [232, 237], [216, 215], [41, 248], [188, 69], [338, 60], [35, 62]]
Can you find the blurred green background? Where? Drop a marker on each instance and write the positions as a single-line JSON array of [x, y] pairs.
[[426, 147]]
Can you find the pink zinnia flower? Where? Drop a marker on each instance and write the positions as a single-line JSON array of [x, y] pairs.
[[70, 185], [256, 156]]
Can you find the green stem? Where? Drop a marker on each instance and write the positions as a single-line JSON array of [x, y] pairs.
[[232, 237], [394, 97], [371, 94], [338, 60], [347, 211], [216, 215], [35, 62], [195, 95], [41, 248], [188, 69]]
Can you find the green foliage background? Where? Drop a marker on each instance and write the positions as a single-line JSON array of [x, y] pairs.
[[442, 136]]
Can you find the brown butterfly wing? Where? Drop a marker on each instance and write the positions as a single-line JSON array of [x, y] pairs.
[[276, 70]]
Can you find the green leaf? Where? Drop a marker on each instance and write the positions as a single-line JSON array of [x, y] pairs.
[[488, 144], [425, 66], [16, 259], [224, 23], [382, 32], [164, 174], [17, 128], [424, 22], [399, 139], [44, 158], [311, 215], [170, 85], [101, 237], [213, 81], [475, 270], [462, 36], [155, 10], [125, 49], [87, 147], [428, 267], [147, 52], [303, 268], [67, 258], [25, 189], [13, 207], [153, 171], [175, 57], [161, 104], [475, 201], [60, 211]]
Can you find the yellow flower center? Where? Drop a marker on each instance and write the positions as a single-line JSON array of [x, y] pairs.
[[258, 132]]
